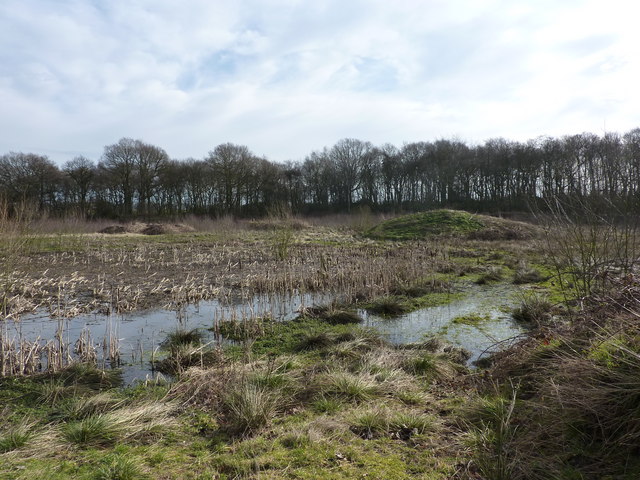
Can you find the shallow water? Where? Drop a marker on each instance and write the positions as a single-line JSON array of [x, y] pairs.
[[141, 333], [494, 302]]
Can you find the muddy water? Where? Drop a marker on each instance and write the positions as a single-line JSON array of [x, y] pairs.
[[140, 333]]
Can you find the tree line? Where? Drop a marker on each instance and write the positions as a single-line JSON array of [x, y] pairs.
[[133, 178]]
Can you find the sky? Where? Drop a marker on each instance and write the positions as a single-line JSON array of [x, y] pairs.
[[287, 77]]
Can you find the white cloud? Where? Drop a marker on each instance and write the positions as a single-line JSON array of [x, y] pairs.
[[285, 77]]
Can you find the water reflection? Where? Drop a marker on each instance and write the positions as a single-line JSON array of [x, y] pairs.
[[139, 334]]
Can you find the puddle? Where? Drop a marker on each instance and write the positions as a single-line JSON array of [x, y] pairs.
[[488, 304], [140, 333]]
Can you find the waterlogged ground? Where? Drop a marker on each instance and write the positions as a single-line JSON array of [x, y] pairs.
[[480, 321], [477, 320], [331, 400]]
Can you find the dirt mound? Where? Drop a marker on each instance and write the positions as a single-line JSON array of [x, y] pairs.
[[451, 223], [163, 228], [277, 224], [148, 228], [503, 229], [112, 229]]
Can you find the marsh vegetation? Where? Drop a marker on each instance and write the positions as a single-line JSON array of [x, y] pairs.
[[431, 346]]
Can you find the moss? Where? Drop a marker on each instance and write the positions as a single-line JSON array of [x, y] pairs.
[[471, 319], [304, 333], [393, 305]]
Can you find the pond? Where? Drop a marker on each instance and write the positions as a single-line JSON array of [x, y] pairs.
[[478, 322]]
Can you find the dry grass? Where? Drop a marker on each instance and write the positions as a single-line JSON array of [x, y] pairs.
[[99, 422]]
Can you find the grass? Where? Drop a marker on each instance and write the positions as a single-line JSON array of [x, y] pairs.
[[249, 408], [472, 319], [349, 386], [15, 437], [490, 275], [534, 310], [317, 397], [287, 413], [390, 306], [181, 337], [92, 431], [419, 226], [119, 467], [528, 275], [370, 424]]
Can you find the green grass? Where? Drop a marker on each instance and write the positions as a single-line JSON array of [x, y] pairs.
[[472, 319], [119, 467], [304, 334], [534, 310], [349, 386], [394, 305], [94, 430], [15, 437], [419, 226], [181, 337]]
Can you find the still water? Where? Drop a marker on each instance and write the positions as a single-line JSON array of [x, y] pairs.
[[139, 334]]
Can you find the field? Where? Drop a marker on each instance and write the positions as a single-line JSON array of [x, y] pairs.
[[322, 395]]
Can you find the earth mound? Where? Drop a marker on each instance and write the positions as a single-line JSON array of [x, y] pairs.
[[148, 228], [421, 225]]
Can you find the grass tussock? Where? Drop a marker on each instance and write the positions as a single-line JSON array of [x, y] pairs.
[[249, 408], [119, 467], [92, 431], [351, 387], [490, 275], [391, 305], [534, 310], [181, 337], [528, 275], [16, 436], [333, 314], [403, 425]]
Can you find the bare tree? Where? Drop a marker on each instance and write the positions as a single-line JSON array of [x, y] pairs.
[[149, 162], [348, 156], [119, 162], [81, 171]]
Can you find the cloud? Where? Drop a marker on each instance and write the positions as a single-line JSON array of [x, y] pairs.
[[285, 77]]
